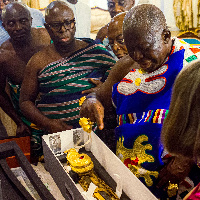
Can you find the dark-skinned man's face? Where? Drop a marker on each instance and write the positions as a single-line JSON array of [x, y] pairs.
[[60, 24], [148, 53], [117, 6], [115, 36], [17, 22]]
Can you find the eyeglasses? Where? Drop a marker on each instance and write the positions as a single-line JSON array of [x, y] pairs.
[[57, 26]]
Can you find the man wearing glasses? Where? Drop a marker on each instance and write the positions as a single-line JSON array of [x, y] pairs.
[[60, 72], [114, 7]]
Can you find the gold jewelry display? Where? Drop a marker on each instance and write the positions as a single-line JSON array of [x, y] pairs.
[[84, 167], [172, 189]]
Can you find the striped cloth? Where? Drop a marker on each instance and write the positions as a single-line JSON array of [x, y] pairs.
[[153, 116], [61, 82]]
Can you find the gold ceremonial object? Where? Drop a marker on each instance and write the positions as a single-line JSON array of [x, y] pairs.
[[79, 163], [81, 100], [86, 124], [172, 189], [82, 164]]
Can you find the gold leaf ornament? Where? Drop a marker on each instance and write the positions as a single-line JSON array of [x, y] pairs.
[[86, 124], [81, 100]]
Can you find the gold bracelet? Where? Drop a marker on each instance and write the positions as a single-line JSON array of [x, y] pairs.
[[81, 100]]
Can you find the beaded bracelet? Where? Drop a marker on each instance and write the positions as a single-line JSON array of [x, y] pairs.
[[82, 99]]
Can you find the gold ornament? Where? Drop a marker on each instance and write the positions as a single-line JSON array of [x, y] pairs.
[[84, 167], [86, 124], [81, 100], [79, 163], [172, 189]]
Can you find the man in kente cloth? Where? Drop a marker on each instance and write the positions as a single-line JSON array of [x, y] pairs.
[[140, 89], [15, 53], [60, 72]]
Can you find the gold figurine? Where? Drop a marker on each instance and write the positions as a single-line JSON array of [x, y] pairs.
[[82, 164]]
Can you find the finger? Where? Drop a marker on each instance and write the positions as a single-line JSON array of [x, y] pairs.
[[95, 81], [162, 182], [88, 91], [99, 116]]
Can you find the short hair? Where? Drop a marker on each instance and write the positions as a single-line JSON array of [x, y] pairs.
[[145, 17], [181, 128], [14, 4], [117, 17], [52, 5]]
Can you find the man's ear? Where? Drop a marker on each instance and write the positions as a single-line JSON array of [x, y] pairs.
[[166, 35]]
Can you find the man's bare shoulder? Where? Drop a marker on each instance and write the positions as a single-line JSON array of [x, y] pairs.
[[102, 33], [6, 51], [41, 35], [122, 67], [42, 58], [125, 62]]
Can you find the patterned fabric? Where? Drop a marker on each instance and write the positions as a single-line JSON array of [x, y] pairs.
[[36, 133], [142, 101], [62, 81]]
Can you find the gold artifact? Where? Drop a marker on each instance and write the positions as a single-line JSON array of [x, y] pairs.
[[86, 124], [172, 189], [81, 100], [84, 167]]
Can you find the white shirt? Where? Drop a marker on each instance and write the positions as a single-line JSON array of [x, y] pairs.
[[82, 13]]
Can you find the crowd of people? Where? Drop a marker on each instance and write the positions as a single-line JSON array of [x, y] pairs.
[[150, 93]]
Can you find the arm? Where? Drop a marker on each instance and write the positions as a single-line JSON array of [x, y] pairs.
[[7, 107], [175, 171], [93, 106], [28, 95]]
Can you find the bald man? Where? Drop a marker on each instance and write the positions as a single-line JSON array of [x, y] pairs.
[[24, 42], [139, 86], [60, 72], [115, 35], [114, 7]]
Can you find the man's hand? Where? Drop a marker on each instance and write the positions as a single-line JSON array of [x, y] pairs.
[[93, 109], [22, 130], [96, 82], [175, 171], [57, 125]]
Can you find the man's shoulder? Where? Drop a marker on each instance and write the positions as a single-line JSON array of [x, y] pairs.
[[102, 33], [39, 31], [6, 51], [42, 57], [41, 35]]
